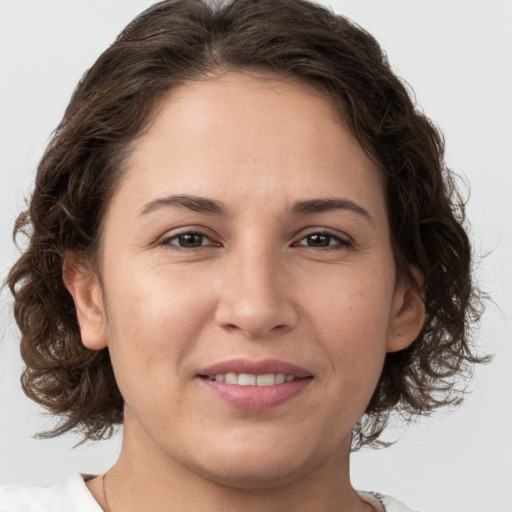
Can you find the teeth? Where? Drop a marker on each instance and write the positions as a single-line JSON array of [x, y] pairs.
[[280, 378], [246, 379], [231, 378], [266, 380]]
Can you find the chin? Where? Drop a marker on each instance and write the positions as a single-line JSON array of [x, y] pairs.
[[255, 476], [256, 469]]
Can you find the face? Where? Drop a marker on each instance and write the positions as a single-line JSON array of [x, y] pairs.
[[247, 245]]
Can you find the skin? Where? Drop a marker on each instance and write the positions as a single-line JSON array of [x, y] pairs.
[[258, 286]]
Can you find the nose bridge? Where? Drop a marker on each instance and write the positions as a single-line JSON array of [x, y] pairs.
[[254, 298]]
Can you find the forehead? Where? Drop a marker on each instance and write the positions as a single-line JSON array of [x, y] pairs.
[[255, 109], [247, 136]]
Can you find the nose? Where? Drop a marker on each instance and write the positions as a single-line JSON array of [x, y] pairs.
[[254, 298]]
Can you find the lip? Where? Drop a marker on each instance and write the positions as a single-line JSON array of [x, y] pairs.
[[255, 398], [262, 367]]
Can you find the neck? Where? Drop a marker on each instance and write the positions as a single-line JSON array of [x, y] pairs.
[[143, 479]]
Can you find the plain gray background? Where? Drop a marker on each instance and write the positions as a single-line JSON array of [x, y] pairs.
[[456, 54]]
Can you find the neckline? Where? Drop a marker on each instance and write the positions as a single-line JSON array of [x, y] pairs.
[[81, 480]]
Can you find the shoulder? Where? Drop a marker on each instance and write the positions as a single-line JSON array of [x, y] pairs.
[[69, 496], [384, 503], [392, 505]]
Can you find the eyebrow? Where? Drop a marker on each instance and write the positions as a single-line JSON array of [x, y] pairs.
[[205, 205], [323, 205], [194, 203]]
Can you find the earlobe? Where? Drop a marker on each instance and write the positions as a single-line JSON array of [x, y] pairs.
[[85, 289], [408, 313]]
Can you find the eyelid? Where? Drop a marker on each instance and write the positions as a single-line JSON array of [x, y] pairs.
[[345, 240], [186, 230]]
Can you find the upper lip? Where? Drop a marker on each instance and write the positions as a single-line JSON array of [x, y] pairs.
[[262, 367]]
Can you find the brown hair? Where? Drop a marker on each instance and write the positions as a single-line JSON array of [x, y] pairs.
[[177, 41]]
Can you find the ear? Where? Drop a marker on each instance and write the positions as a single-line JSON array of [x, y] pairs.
[[84, 286], [408, 314]]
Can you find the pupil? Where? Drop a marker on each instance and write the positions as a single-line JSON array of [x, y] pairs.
[[319, 240], [190, 240]]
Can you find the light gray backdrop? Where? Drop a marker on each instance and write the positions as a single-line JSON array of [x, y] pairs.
[[456, 54]]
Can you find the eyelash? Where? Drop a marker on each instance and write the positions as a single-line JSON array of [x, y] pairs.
[[340, 243], [166, 242]]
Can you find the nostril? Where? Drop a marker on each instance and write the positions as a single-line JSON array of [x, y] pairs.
[[256, 314]]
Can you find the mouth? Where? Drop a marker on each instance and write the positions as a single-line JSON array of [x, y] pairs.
[[248, 379], [255, 385]]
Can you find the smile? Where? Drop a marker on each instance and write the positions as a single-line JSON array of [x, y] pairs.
[[247, 379], [255, 385]]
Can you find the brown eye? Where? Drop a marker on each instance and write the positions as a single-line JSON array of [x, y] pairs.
[[190, 240], [318, 240], [323, 240]]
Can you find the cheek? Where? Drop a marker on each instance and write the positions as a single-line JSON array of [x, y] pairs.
[[350, 300], [154, 322], [351, 314]]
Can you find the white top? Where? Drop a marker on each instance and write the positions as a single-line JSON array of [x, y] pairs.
[[74, 496]]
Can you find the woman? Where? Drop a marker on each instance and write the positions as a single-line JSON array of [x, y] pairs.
[[245, 248]]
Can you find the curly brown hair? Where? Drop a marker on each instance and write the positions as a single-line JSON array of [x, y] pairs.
[[178, 41]]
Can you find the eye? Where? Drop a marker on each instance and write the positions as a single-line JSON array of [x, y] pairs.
[[188, 240], [324, 240]]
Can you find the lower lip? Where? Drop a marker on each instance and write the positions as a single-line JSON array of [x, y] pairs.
[[256, 398]]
